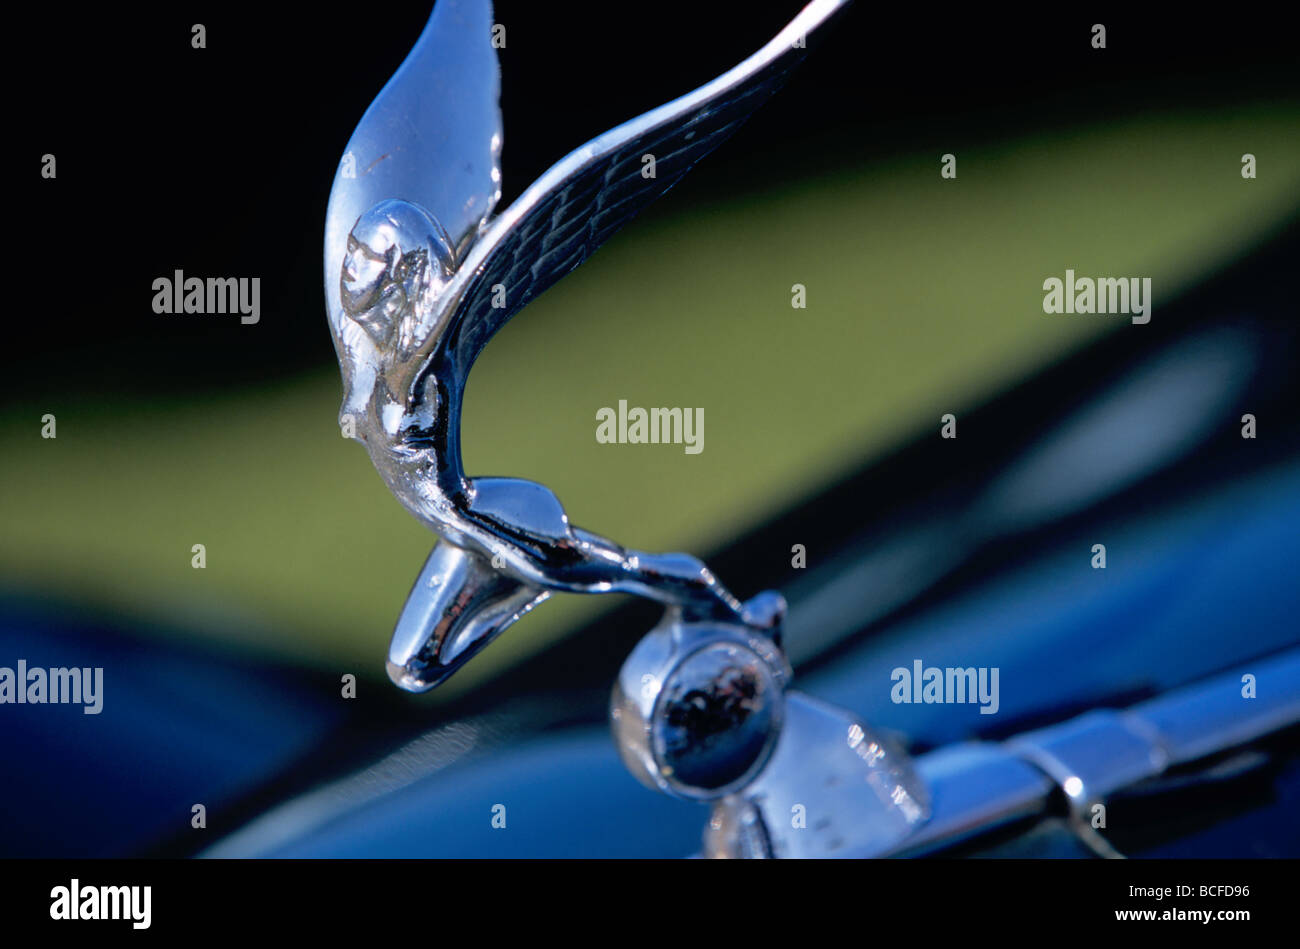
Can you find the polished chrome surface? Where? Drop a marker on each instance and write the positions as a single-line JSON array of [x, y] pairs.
[[833, 788], [979, 786], [1102, 751], [701, 711], [973, 788], [698, 706], [419, 276], [1203, 719]]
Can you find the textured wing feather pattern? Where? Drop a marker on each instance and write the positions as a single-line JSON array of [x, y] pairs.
[[580, 202]]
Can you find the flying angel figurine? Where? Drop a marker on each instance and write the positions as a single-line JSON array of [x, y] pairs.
[[419, 275]]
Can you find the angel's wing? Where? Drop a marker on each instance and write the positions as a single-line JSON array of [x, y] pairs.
[[431, 136], [581, 201]]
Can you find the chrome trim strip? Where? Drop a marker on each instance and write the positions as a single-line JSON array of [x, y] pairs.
[[1203, 719], [975, 787], [978, 786]]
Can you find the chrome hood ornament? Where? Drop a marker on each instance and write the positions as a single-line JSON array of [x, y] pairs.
[[419, 275]]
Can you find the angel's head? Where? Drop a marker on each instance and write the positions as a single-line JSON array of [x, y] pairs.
[[397, 260]]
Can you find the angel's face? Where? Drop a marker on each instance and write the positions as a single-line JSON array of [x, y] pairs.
[[396, 253], [371, 296]]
